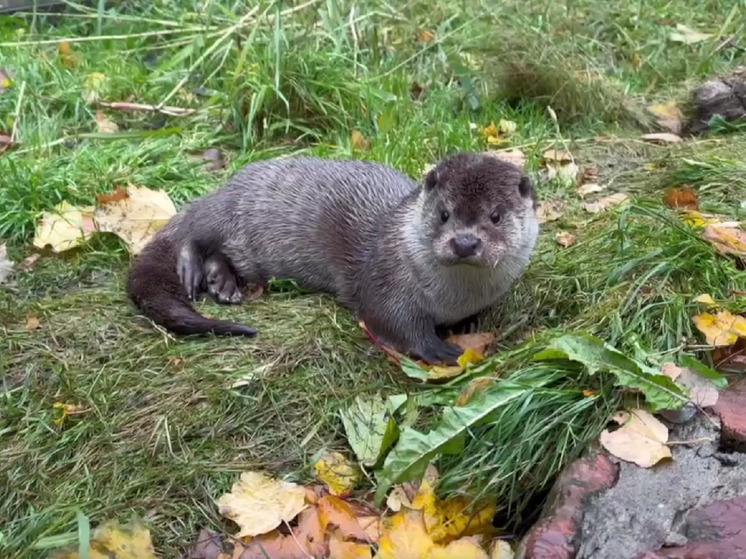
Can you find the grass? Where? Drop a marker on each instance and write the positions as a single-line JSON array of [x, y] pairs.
[[165, 431]]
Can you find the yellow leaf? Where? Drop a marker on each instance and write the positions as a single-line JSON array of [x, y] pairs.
[[688, 36], [721, 328], [469, 357], [452, 518], [478, 342], [340, 549], [557, 155], [335, 512], [359, 142], [337, 472], [466, 548], [114, 541], [136, 218], [404, 536], [65, 227], [259, 503], [640, 439], [68, 57], [706, 299], [32, 321], [669, 116], [67, 410], [93, 85], [507, 127]]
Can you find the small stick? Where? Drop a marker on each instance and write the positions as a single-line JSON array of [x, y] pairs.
[[126, 106]]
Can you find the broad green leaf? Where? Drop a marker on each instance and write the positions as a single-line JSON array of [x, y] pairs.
[[701, 369], [659, 390], [413, 370], [414, 450], [370, 431]]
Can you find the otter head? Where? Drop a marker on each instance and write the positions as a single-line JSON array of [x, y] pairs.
[[476, 209]]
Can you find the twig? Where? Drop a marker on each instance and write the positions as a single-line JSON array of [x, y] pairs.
[[125, 106]]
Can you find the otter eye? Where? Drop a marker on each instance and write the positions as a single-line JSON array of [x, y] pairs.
[[496, 217], [444, 215]]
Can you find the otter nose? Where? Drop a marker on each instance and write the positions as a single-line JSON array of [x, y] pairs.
[[466, 245]]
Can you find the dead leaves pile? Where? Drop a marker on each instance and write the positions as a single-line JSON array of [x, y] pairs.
[[134, 214], [283, 520]]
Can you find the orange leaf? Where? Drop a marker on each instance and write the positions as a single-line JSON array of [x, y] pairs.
[[68, 57], [333, 511], [118, 194], [684, 197], [32, 322], [307, 539], [340, 549]]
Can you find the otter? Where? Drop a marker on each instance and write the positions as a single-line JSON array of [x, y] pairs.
[[409, 259]]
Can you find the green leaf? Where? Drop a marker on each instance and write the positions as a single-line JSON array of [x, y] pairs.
[[413, 370], [701, 369], [414, 450], [597, 356], [370, 431]]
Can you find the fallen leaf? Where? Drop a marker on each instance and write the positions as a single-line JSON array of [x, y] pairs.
[[214, 159], [337, 472], [340, 549], [136, 218], [115, 541], [721, 328], [469, 357], [6, 265], [404, 536], [661, 138], [688, 36], [726, 238], [491, 135], [65, 227], [587, 393], [513, 156], [306, 540], [334, 512], [32, 322], [259, 503], [67, 56], [590, 174], [93, 85], [359, 142], [478, 342], [425, 35], [684, 197], [452, 518], [706, 299], [477, 386], [118, 194], [640, 439], [104, 125], [605, 203], [566, 171], [558, 156], [398, 498], [443, 372], [551, 210], [466, 548], [565, 239], [500, 549], [506, 127], [209, 545], [5, 80], [702, 392], [590, 188], [6, 142], [669, 116]]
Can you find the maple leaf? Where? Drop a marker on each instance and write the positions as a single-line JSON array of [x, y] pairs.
[[65, 227], [640, 439], [334, 512], [305, 541], [727, 238], [135, 218], [337, 472], [129, 541], [721, 328], [340, 549], [259, 503]]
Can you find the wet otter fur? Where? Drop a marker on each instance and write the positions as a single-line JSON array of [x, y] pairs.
[[407, 258]]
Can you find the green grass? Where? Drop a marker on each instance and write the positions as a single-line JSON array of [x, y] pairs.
[[165, 431]]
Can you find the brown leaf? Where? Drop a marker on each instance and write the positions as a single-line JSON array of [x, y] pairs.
[[477, 386], [605, 203], [208, 546], [559, 156], [479, 342], [702, 392], [104, 125], [32, 321], [590, 174], [513, 156], [669, 116], [68, 57], [590, 188], [306, 540], [359, 142], [118, 194], [565, 239], [252, 292], [425, 35], [334, 512], [551, 210], [684, 197], [6, 142], [726, 238], [29, 263], [661, 138], [641, 438]]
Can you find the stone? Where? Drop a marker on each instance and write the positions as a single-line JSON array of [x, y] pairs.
[[556, 535], [729, 409]]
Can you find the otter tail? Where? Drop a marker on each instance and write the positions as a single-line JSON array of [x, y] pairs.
[[154, 287]]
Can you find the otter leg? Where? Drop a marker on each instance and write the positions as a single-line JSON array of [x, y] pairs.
[[433, 350], [189, 266], [222, 281], [468, 325]]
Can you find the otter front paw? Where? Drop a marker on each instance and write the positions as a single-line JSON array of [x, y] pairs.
[[438, 352], [222, 283], [189, 269]]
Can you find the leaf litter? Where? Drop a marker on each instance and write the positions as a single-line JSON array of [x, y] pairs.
[[337, 473], [640, 438], [6, 265], [113, 540]]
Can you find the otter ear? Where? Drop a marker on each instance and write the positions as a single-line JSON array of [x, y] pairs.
[[527, 190], [431, 179]]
